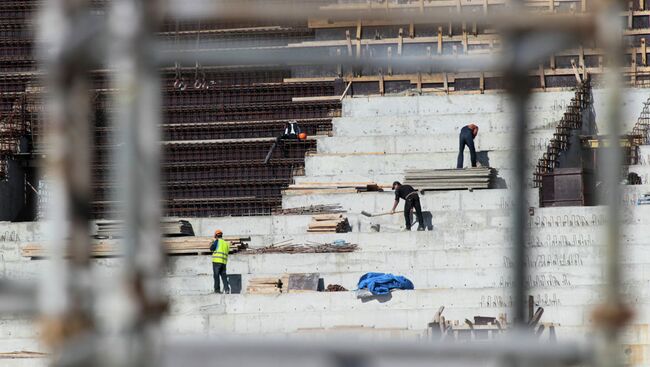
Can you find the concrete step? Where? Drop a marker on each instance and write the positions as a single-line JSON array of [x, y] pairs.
[[369, 164], [494, 297], [445, 105], [558, 277], [422, 143], [489, 123]]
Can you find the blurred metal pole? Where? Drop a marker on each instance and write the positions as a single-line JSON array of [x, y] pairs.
[[517, 85], [612, 313], [137, 118], [66, 287]]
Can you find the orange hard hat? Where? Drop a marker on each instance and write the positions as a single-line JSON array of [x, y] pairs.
[[302, 136], [218, 232]]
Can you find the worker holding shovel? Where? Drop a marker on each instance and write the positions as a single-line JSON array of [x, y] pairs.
[[411, 200]]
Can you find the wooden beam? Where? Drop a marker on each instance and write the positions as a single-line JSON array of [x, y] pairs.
[[400, 41], [358, 39], [349, 42], [445, 82], [542, 79], [465, 41], [575, 71], [418, 85], [641, 4], [481, 83], [644, 55], [411, 30], [439, 40], [553, 62], [381, 84], [339, 67], [390, 56], [630, 15], [633, 64]]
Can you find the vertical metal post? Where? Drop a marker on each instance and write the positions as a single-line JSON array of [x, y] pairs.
[[66, 288], [138, 159], [610, 194]]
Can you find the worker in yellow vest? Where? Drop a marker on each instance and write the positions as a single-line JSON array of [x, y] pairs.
[[220, 249]]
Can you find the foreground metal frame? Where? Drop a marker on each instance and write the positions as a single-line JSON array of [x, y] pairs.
[[69, 299]]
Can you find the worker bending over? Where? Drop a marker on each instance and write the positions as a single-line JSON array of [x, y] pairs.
[[467, 135], [220, 249], [411, 200]]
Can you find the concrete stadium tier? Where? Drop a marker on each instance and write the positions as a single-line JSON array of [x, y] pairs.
[[463, 261]]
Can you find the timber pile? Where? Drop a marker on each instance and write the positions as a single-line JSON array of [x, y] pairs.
[[168, 228], [312, 209], [450, 179], [329, 223], [302, 249], [270, 285], [333, 188], [173, 246]]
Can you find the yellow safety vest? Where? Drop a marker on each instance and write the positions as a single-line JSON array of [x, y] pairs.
[[220, 254]]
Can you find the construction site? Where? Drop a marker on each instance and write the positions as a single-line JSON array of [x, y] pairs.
[[345, 183]]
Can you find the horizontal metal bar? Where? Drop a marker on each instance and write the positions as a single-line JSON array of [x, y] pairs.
[[248, 352]]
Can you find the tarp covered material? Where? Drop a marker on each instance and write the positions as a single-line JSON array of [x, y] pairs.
[[381, 283]]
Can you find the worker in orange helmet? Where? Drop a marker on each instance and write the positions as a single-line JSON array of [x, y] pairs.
[[220, 249]]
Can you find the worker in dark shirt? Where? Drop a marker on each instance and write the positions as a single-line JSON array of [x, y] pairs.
[[411, 200], [467, 135]]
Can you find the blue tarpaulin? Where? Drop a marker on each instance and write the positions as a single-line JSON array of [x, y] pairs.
[[380, 283]]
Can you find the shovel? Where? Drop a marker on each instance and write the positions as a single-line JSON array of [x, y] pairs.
[[363, 212]]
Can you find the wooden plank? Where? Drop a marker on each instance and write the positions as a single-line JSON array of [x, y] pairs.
[[439, 40], [358, 55], [542, 79], [630, 14], [464, 41], [348, 40], [644, 54], [400, 42]]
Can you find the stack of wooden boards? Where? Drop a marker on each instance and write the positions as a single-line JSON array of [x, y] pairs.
[[168, 228], [450, 179], [329, 223], [333, 187], [286, 283], [173, 246]]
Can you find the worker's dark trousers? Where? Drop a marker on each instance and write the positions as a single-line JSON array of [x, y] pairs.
[[466, 138], [282, 140], [217, 271], [411, 202]]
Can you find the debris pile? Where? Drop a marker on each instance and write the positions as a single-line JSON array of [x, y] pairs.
[[450, 179], [312, 209], [301, 249], [329, 223], [335, 288]]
